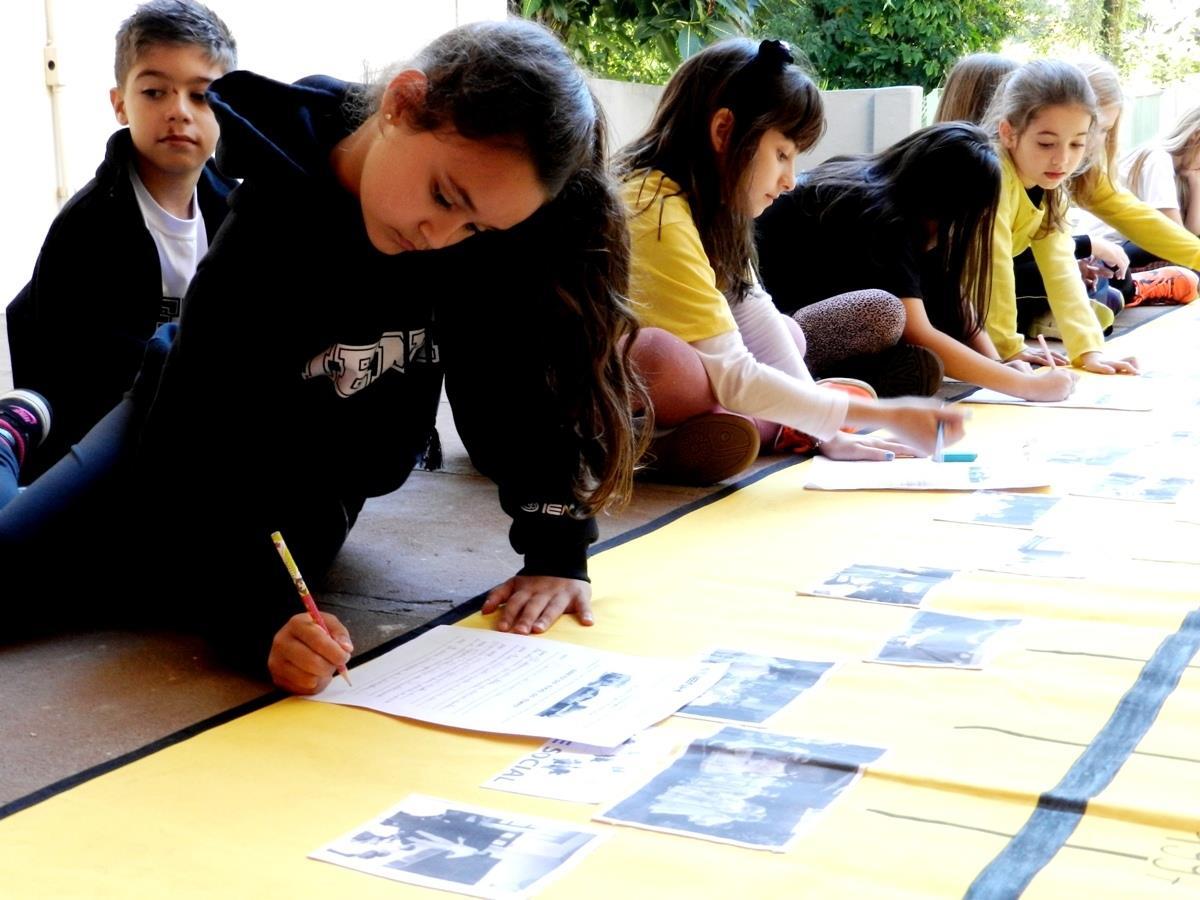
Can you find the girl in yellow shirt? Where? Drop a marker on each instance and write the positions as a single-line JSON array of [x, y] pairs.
[[1042, 119], [724, 369]]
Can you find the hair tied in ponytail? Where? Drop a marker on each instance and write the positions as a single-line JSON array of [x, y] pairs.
[[775, 52]]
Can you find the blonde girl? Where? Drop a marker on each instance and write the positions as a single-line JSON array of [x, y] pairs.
[[1181, 149], [1043, 119], [1096, 191], [970, 86]]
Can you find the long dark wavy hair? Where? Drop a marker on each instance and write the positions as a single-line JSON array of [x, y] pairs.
[[513, 84], [763, 89], [941, 182]]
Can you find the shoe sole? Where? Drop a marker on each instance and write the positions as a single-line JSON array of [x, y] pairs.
[[704, 450], [852, 383]]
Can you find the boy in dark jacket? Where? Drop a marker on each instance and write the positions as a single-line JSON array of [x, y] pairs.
[[117, 260]]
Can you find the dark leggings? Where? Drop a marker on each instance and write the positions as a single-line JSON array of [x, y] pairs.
[[90, 528], [71, 492]]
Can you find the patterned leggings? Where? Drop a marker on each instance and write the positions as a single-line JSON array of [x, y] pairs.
[[860, 323]]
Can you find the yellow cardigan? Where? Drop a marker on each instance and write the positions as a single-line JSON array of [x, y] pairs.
[[1140, 222], [1017, 221]]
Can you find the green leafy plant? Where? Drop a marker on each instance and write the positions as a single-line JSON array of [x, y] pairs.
[[641, 40], [877, 43]]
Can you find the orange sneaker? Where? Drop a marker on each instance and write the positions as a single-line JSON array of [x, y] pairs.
[[1170, 284], [789, 440]]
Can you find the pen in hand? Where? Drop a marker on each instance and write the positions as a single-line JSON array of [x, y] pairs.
[[939, 443], [302, 590]]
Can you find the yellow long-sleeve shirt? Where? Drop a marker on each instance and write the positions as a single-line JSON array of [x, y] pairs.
[[1017, 221], [1140, 222]]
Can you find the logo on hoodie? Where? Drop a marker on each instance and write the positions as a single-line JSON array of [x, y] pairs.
[[352, 367]]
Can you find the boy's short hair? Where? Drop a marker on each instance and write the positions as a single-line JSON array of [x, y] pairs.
[[174, 23]]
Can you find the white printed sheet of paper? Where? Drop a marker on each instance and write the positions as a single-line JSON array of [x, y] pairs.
[[922, 475], [516, 684], [464, 849], [1105, 392]]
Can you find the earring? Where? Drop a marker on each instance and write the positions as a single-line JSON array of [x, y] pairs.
[[388, 116]]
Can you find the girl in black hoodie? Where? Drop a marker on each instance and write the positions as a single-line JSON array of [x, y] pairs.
[[309, 360]]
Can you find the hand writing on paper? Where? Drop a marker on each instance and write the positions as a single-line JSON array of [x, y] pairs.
[[1049, 384], [304, 658], [914, 421], [532, 603], [1037, 358]]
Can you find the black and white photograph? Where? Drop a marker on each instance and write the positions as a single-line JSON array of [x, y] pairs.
[[754, 687], [751, 788], [1051, 556], [459, 848], [1087, 456], [578, 700], [1002, 508], [882, 584], [941, 639], [1146, 487]]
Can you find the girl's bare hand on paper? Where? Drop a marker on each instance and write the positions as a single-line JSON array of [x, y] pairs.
[[530, 604]]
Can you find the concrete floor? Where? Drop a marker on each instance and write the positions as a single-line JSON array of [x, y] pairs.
[[81, 699]]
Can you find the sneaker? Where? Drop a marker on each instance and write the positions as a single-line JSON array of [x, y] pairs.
[[906, 370], [703, 450], [1112, 298], [1044, 326], [1170, 284], [853, 386], [24, 421], [789, 440]]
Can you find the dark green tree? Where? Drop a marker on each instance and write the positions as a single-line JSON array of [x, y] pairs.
[[877, 43], [638, 40]]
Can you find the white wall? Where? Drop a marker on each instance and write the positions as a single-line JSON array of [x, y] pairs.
[[283, 39], [860, 121]]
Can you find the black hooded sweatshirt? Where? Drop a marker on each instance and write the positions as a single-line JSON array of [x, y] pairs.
[[308, 367], [78, 329]]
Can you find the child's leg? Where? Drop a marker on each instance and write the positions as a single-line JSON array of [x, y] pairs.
[[61, 535], [675, 379], [859, 323], [47, 509], [858, 335], [700, 443], [24, 423]]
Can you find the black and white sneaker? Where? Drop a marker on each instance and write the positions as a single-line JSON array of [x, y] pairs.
[[24, 420]]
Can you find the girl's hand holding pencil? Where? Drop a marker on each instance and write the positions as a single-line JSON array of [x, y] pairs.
[[304, 658], [311, 646], [915, 421]]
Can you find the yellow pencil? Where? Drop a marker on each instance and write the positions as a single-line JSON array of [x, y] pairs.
[[302, 589]]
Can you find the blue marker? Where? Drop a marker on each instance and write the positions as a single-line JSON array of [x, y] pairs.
[[959, 457]]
